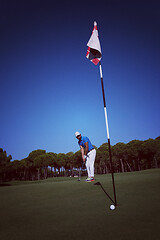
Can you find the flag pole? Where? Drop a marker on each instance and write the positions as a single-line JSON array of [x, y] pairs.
[[109, 145]]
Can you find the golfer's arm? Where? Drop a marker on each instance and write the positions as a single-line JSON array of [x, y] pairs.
[[82, 151], [86, 148]]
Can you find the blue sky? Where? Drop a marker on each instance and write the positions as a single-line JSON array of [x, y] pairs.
[[49, 89]]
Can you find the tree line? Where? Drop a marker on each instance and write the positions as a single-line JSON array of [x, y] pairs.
[[135, 155]]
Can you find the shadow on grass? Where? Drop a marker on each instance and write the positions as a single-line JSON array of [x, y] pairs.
[[4, 184], [99, 184]]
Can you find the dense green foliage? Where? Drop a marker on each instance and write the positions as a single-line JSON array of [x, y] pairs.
[[133, 156]]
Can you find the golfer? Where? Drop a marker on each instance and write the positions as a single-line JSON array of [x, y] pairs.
[[88, 155]]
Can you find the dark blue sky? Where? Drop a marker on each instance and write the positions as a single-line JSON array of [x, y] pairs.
[[49, 89]]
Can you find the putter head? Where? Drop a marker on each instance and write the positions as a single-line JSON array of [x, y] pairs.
[[78, 180]]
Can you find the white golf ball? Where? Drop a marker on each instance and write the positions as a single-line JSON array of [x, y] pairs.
[[112, 207]]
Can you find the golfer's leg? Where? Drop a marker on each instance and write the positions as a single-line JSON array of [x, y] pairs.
[[92, 160], [88, 166]]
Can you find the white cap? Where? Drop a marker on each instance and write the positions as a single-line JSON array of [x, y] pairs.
[[77, 134]]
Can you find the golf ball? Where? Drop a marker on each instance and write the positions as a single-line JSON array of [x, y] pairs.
[[112, 207]]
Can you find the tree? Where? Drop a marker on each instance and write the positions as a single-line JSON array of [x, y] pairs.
[[102, 163], [135, 153], [152, 152], [119, 155], [16, 169], [61, 163], [44, 159], [69, 163], [77, 162], [34, 162], [4, 165], [52, 158]]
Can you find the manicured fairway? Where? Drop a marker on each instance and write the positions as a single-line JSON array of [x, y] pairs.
[[64, 208]]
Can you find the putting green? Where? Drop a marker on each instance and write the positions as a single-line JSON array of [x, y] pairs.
[[64, 208]]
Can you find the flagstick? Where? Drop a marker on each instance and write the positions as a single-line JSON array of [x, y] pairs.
[[109, 145]]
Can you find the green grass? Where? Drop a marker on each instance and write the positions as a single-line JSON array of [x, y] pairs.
[[63, 208]]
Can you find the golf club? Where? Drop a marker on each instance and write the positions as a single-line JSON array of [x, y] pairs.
[[80, 171]]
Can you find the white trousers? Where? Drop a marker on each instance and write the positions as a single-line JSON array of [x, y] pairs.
[[90, 159]]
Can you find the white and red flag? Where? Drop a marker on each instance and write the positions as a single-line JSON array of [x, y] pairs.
[[94, 53]]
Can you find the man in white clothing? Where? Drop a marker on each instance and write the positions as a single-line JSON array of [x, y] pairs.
[[88, 155]]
